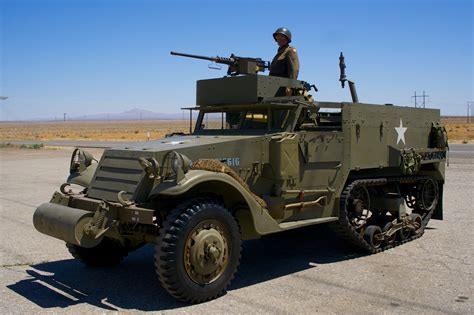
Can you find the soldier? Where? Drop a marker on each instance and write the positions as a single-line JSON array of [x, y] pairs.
[[286, 63]]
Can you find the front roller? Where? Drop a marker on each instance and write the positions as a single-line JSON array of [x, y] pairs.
[[65, 223]]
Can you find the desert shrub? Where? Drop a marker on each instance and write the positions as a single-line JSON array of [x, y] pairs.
[[36, 146], [6, 145]]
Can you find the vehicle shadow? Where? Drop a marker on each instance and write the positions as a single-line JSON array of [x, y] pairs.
[[133, 285]]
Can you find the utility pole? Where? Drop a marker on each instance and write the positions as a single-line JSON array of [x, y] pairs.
[[469, 111], [64, 116], [415, 97], [424, 96], [2, 98]]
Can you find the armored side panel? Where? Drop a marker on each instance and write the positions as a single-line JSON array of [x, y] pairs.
[[319, 155], [284, 157], [240, 89], [375, 136]]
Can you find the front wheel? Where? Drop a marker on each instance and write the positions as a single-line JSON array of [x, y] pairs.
[[198, 251], [109, 252]]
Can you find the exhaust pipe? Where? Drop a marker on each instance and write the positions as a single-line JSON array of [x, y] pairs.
[[64, 223], [352, 88]]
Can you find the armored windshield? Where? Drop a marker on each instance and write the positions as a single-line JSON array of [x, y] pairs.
[[242, 121]]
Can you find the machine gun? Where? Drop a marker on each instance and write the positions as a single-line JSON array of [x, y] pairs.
[[237, 65]]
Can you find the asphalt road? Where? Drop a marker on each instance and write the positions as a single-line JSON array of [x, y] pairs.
[[304, 271]]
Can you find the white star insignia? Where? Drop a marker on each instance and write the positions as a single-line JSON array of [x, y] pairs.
[[401, 132]]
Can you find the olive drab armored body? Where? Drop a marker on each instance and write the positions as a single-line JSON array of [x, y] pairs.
[[264, 157]]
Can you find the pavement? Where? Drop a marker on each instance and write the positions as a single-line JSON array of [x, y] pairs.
[[303, 271]]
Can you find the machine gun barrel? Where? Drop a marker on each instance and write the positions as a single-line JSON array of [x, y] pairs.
[[224, 60], [237, 65]]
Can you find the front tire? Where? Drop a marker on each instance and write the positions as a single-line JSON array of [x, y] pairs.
[[108, 253], [198, 251]]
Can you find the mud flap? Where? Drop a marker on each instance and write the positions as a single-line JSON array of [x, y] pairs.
[[438, 212]]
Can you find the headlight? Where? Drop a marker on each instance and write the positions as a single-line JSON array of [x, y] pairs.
[[80, 160], [176, 162], [185, 163], [179, 163]]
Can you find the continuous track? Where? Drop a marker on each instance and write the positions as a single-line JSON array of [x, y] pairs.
[[345, 229]]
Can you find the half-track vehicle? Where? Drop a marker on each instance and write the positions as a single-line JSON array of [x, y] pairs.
[[263, 157]]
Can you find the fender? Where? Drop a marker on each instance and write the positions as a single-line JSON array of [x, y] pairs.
[[262, 221]]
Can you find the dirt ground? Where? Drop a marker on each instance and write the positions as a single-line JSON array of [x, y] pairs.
[[458, 130]]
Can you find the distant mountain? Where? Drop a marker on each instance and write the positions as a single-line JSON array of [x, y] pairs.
[[133, 114]]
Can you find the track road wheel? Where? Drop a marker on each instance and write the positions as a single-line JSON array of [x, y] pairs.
[[390, 239], [373, 236], [404, 233], [359, 206], [108, 253], [417, 222], [428, 195], [198, 251]]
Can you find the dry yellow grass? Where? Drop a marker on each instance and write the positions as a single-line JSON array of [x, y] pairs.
[[91, 130], [458, 130]]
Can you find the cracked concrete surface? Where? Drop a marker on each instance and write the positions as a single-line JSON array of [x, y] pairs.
[[304, 271]]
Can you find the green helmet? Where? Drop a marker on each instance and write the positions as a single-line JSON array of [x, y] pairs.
[[283, 31]]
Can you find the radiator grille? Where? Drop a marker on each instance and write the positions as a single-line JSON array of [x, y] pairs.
[[114, 174]]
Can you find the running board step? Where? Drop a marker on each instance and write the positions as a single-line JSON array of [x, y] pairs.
[[295, 224]]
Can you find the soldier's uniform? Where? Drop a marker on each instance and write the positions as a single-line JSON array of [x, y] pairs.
[[286, 63]]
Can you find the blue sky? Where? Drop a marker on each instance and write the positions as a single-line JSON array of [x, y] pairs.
[[87, 57]]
